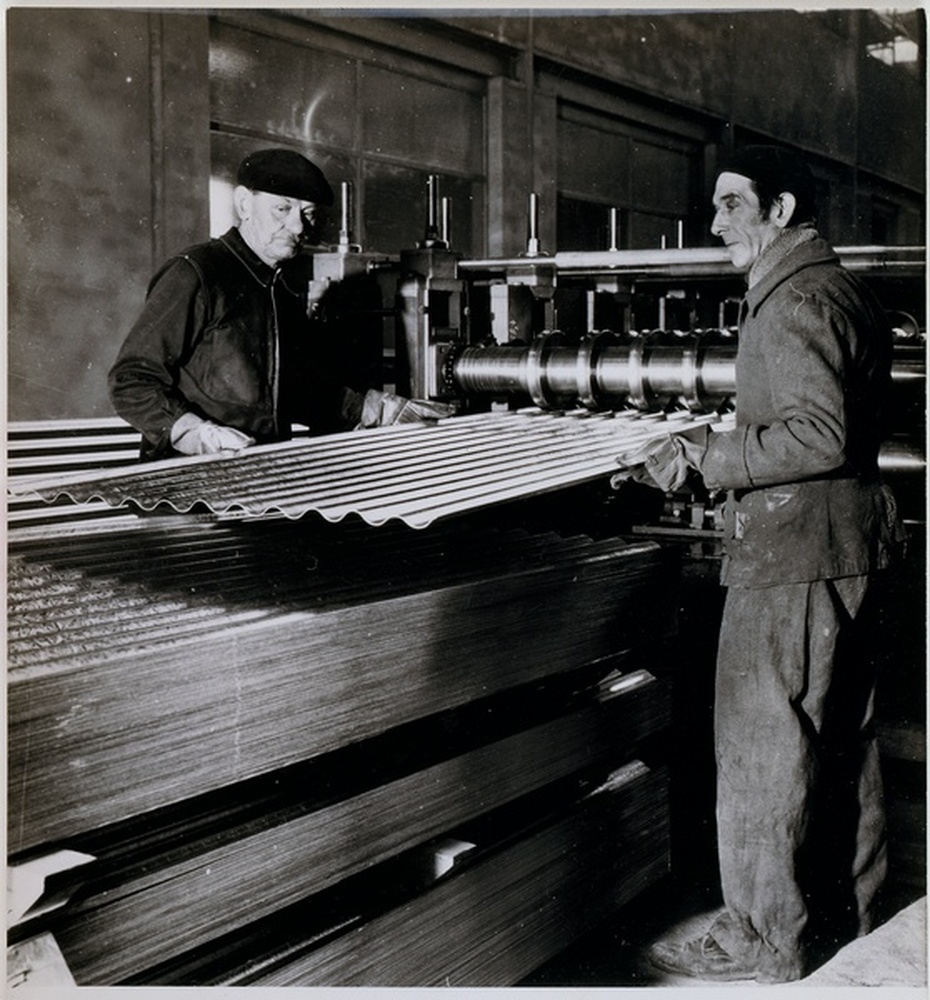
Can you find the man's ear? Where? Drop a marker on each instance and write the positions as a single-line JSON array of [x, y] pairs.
[[242, 200], [783, 209]]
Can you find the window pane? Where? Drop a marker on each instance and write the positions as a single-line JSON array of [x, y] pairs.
[[593, 162], [280, 88], [428, 123], [647, 231], [585, 225], [396, 208], [661, 178]]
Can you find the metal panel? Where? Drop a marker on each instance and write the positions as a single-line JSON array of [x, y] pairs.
[[165, 658], [412, 473]]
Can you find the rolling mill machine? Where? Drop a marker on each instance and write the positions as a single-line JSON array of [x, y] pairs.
[[381, 708], [615, 330]]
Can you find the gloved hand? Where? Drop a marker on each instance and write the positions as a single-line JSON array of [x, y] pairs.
[[381, 409], [422, 411], [664, 462], [192, 435]]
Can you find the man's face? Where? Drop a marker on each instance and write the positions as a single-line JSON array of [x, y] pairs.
[[738, 220], [273, 224]]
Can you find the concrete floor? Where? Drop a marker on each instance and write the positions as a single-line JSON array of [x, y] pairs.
[[892, 957]]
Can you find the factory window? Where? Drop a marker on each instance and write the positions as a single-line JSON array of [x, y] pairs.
[[895, 219], [648, 176], [381, 126], [420, 121], [593, 162], [892, 37], [585, 225], [269, 87], [884, 219], [396, 207], [896, 51]]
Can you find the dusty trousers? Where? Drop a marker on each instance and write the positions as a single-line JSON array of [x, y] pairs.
[[800, 813]]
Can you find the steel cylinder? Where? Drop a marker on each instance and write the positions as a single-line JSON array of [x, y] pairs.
[[602, 371], [605, 371]]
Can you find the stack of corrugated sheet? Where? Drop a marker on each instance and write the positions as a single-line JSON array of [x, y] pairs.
[[327, 754]]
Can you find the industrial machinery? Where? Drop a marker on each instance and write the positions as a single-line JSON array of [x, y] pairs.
[[652, 330], [645, 328]]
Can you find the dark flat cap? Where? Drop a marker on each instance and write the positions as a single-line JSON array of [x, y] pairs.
[[283, 171], [775, 169]]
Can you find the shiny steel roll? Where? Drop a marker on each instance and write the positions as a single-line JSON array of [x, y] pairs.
[[602, 372], [490, 370], [606, 371], [902, 456]]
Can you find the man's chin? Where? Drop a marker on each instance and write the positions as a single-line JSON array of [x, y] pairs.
[[285, 253], [739, 260]]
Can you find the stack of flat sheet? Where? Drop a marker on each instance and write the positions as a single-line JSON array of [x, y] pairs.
[[178, 687], [154, 662]]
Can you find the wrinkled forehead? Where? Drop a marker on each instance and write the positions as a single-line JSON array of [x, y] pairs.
[[730, 185]]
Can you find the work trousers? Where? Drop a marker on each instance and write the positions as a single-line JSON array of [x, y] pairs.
[[800, 814]]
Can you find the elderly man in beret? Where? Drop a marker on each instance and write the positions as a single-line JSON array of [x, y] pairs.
[[808, 528], [220, 357]]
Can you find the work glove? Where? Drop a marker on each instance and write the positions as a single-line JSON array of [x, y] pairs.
[[381, 409], [665, 462], [192, 435]]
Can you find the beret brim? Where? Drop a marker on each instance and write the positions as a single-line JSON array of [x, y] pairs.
[[285, 172]]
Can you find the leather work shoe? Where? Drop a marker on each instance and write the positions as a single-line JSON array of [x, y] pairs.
[[701, 958]]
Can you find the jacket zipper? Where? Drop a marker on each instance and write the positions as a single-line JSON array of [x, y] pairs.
[[274, 354]]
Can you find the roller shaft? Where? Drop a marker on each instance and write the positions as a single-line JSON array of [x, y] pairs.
[[605, 371], [602, 372]]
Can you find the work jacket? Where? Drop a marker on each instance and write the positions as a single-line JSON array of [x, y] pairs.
[[805, 500], [227, 337]]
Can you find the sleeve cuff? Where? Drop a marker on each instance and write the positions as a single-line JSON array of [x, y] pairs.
[[724, 464]]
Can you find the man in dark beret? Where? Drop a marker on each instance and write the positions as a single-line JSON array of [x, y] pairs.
[[809, 527], [221, 355]]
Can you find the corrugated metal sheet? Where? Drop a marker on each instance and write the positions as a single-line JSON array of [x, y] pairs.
[[415, 474]]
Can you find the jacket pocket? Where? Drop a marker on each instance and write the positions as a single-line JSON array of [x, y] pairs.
[[227, 367], [776, 532]]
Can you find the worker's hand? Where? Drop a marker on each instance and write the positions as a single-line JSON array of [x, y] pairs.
[[665, 462], [422, 411], [381, 409], [192, 435]]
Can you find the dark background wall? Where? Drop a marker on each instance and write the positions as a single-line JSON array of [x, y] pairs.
[[108, 165], [125, 127]]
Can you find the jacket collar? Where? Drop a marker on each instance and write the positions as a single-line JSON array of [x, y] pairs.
[[237, 246], [263, 273], [815, 251]]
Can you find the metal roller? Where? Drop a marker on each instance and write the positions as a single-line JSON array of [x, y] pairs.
[[603, 371]]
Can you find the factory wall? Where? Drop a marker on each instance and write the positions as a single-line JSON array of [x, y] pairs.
[[107, 156], [125, 127]]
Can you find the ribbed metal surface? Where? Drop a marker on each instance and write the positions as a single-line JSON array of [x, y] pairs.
[[414, 474], [158, 660], [87, 596]]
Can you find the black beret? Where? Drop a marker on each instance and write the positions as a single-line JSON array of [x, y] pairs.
[[774, 169], [282, 171]]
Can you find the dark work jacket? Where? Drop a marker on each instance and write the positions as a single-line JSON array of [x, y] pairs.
[[805, 501], [227, 337]]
